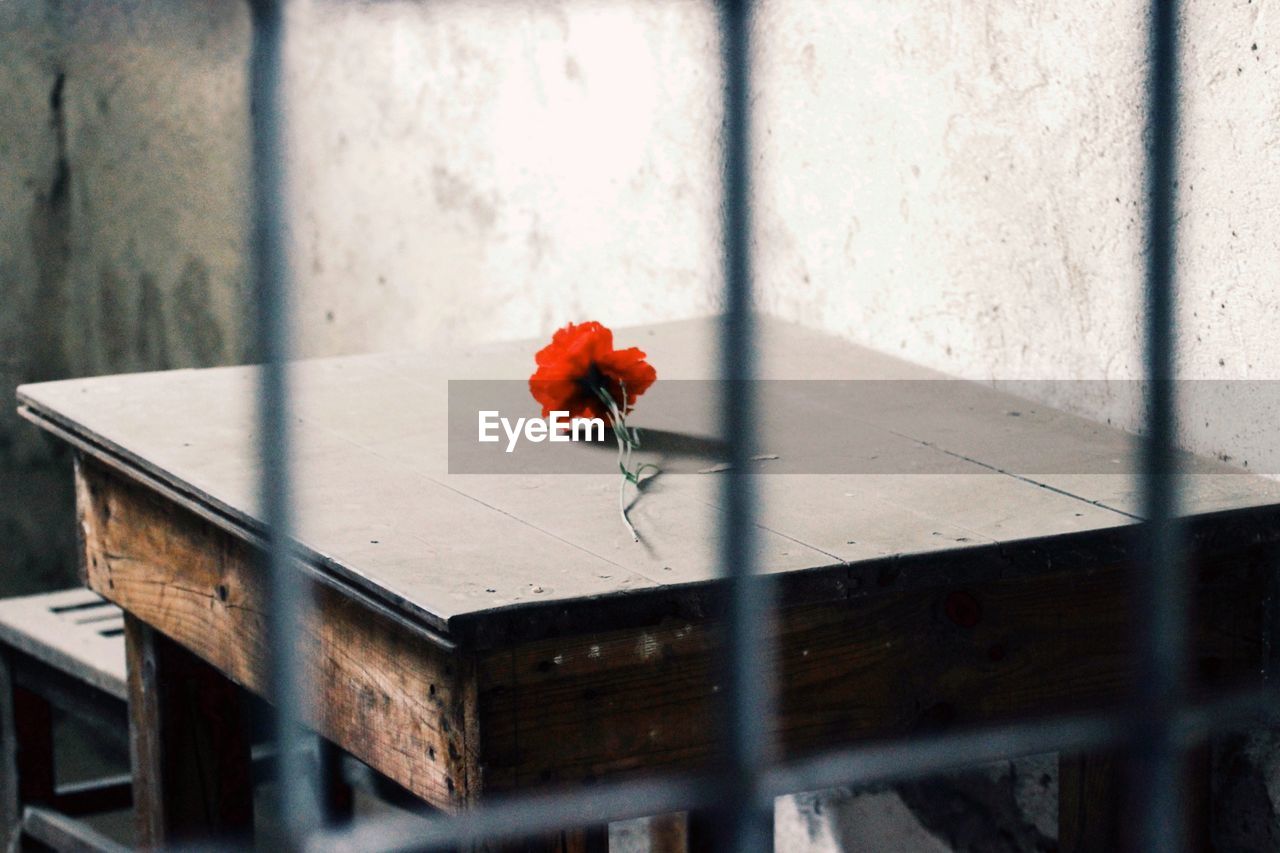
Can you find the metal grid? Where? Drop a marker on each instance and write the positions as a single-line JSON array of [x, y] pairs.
[[738, 793]]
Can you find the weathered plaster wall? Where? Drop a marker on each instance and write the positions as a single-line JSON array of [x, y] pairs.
[[122, 152], [956, 182], [965, 193], [492, 170], [960, 182]]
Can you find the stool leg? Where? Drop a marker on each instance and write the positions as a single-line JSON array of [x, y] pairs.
[[10, 801], [190, 743], [1093, 798], [337, 796], [26, 754], [668, 833], [706, 831]]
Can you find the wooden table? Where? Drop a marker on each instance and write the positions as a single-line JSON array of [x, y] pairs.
[[474, 633]]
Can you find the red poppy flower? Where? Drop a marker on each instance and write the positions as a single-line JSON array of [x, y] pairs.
[[578, 362]]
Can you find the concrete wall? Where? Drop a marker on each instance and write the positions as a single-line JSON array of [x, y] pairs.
[[960, 182], [492, 170], [122, 185]]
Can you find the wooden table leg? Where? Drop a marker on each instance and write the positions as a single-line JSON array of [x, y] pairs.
[[1090, 794], [594, 839], [1093, 802], [190, 744], [1199, 794], [700, 832]]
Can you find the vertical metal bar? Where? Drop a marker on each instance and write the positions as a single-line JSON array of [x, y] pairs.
[[299, 804], [748, 823], [1161, 600]]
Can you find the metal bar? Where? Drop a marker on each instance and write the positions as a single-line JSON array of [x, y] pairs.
[[913, 758], [908, 757], [748, 696], [1161, 589], [299, 797], [918, 757], [520, 817]]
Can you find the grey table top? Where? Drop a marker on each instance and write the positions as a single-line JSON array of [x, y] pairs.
[[482, 555]]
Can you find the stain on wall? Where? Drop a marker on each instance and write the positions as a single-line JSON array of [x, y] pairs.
[[50, 235], [124, 143]]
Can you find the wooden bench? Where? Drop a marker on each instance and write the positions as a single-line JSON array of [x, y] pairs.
[[65, 650]]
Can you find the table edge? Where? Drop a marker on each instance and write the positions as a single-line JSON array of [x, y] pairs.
[[1207, 533]]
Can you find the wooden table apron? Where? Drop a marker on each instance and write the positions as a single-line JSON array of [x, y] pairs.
[[452, 723]]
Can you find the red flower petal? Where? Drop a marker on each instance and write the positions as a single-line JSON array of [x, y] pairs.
[[580, 358]]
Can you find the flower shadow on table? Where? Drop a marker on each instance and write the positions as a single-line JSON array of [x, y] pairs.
[[670, 452], [675, 452]]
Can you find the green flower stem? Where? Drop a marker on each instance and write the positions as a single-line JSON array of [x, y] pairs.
[[628, 440]]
